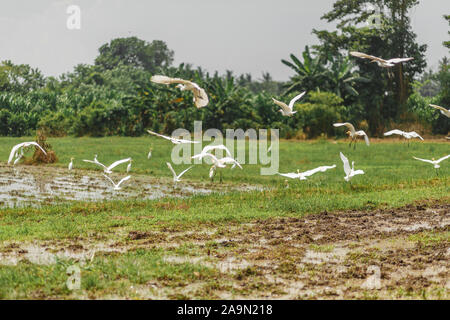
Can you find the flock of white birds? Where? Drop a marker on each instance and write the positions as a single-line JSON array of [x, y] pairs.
[[201, 100]]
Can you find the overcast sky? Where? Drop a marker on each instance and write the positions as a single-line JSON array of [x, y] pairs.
[[246, 36]]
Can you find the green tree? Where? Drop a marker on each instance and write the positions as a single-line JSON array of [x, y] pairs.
[[135, 52], [447, 43]]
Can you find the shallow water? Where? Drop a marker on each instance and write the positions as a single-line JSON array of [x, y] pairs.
[[32, 185]]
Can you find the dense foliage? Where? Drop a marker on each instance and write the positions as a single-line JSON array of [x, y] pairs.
[[114, 96]]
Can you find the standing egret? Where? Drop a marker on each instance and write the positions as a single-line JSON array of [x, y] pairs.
[[303, 175], [177, 178], [21, 146], [287, 110], [173, 140], [117, 186], [150, 153], [353, 134], [200, 97], [70, 164], [129, 166], [406, 135], [444, 111], [349, 172]]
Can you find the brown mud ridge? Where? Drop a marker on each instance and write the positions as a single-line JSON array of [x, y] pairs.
[[400, 253]]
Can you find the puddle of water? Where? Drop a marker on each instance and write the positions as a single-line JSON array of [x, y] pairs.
[[32, 186]]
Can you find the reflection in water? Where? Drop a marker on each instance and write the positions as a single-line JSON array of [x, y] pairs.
[[32, 185]]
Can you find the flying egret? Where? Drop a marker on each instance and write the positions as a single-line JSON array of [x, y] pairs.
[[106, 169], [209, 148], [70, 164], [444, 111], [353, 134], [303, 175], [349, 172], [21, 146], [381, 62], [406, 135], [177, 178], [117, 186], [287, 110], [435, 163], [173, 140], [200, 97]]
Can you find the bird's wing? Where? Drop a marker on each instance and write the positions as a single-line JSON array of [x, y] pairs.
[[184, 141], [366, 56], [200, 97], [399, 60], [439, 107], [282, 105], [291, 103], [229, 160], [109, 179], [115, 164], [35, 144], [160, 135], [124, 179], [14, 150], [220, 146], [171, 169], [183, 172], [168, 80], [443, 158], [318, 169], [347, 124], [358, 172], [395, 131], [424, 160], [366, 137], [346, 163], [97, 163], [415, 135], [213, 158], [291, 175]]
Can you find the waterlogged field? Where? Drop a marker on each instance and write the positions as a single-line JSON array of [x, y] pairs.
[[69, 235]]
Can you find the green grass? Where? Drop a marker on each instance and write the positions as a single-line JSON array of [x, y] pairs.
[[392, 179]]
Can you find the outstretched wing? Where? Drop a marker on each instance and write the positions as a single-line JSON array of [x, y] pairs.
[[395, 131], [442, 109], [282, 105], [344, 159], [109, 179], [291, 175], [123, 180], [115, 164], [168, 80], [415, 135], [171, 169], [424, 160], [291, 103], [366, 56], [366, 137], [13, 151], [220, 147], [346, 124], [319, 169], [183, 172], [200, 97], [97, 163], [399, 60], [443, 158], [160, 135]]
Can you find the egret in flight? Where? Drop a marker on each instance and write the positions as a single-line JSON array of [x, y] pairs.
[[303, 175], [117, 186], [444, 111], [353, 133], [287, 110], [173, 140], [106, 169], [381, 62], [435, 163], [206, 150], [177, 178], [406, 135], [200, 97], [17, 150], [349, 172]]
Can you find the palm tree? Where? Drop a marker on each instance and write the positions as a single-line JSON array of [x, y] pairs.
[[341, 78]]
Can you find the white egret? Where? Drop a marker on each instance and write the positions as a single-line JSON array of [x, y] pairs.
[[129, 166], [435, 163], [200, 97], [303, 175], [381, 62], [150, 153], [173, 140], [353, 133], [222, 163], [106, 169], [21, 146], [177, 178], [70, 164], [287, 110], [117, 186], [209, 148], [406, 135], [444, 111], [349, 172]]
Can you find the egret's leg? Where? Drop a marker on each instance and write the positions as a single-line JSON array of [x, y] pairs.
[[220, 176]]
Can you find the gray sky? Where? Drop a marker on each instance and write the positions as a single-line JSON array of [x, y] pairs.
[[241, 35]]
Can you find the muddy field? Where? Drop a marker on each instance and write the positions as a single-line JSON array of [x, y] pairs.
[[31, 185], [395, 253]]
